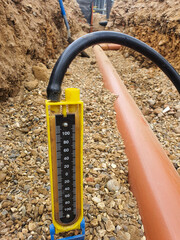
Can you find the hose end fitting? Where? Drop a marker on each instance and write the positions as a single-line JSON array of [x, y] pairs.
[[54, 96]]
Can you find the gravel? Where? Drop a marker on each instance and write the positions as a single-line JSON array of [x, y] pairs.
[[110, 209]]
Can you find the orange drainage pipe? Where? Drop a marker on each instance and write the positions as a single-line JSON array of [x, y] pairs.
[[153, 179], [110, 46]]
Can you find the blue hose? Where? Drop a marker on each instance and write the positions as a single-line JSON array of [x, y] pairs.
[[62, 8], [65, 17]]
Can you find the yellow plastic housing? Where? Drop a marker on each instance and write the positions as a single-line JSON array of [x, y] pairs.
[[71, 104]]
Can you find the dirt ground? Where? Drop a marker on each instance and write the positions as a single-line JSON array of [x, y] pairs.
[[155, 22], [32, 36], [31, 32]]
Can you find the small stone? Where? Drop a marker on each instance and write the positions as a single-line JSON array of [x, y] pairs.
[[106, 238], [1, 165], [4, 212], [14, 155], [27, 187], [128, 235], [97, 186], [2, 130], [112, 204], [20, 235], [177, 130], [90, 165], [158, 110], [104, 165], [166, 109], [41, 72], [94, 222], [97, 137], [13, 209], [120, 207], [2, 176], [146, 111], [39, 101], [31, 85], [9, 223], [110, 226], [4, 231], [30, 237], [101, 205], [44, 93], [99, 218], [96, 199], [89, 179], [41, 209], [123, 236], [142, 228], [104, 219], [101, 232], [112, 238], [126, 55], [29, 7], [93, 62], [24, 231], [23, 210], [90, 190], [151, 102], [116, 214], [101, 147], [86, 206], [139, 221], [32, 226], [160, 115], [36, 212], [118, 228], [113, 185], [113, 165], [25, 130], [177, 107], [177, 115], [125, 228]]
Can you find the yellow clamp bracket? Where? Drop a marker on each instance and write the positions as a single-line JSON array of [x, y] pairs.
[[65, 142]]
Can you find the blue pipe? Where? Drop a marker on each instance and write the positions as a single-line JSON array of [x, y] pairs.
[[65, 17]]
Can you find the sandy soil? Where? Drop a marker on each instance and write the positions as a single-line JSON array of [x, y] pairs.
[[32, 31], [154, 22]]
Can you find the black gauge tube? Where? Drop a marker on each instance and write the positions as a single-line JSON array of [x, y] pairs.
[[54, 87]]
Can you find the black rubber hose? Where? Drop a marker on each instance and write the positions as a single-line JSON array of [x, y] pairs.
[[103, 23], [54, 87]]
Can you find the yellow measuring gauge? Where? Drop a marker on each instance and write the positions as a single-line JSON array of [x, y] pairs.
[[65, 142]]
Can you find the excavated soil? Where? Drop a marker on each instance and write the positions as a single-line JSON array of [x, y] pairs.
[[155, 22], [32, 31], [110, 209]]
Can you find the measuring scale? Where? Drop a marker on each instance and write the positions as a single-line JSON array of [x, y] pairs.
[[65, 140]]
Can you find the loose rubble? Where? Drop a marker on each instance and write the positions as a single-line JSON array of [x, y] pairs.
[[154, 22], [110, 209], [24, 171]]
